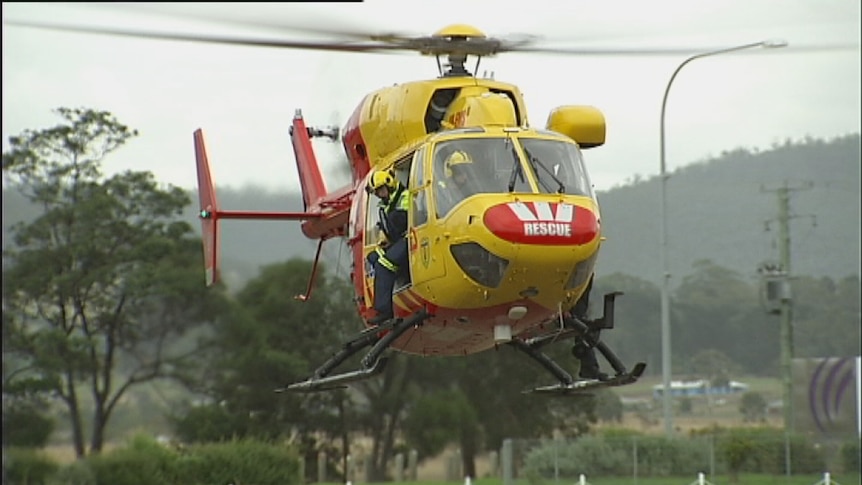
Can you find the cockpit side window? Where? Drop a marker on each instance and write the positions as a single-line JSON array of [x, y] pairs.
[[469, 166], [557, 166]]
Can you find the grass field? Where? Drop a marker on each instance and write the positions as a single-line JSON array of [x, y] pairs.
[[744, 479]]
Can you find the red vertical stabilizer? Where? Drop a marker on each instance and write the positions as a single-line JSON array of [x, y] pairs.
[[209, 210], [313, 188]]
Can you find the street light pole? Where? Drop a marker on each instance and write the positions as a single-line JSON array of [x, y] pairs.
[[667, 401]]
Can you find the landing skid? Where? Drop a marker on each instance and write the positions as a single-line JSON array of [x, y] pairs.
[[585, 386], [371, 365], [588, 330]]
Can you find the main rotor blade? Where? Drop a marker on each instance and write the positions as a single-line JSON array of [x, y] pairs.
[[376, 47], [344, 32], [670, 51]]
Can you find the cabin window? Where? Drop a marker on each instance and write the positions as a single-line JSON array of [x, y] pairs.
[[468, 166], [419, 203], [402, 169], [557, 166], [372, 217]]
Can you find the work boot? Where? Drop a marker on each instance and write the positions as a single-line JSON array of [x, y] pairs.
[[380, 318], [589, 364]]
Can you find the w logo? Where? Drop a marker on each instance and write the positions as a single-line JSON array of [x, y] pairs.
[[537, 222], [542, 211]]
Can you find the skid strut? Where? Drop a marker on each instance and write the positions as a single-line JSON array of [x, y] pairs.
[[372, 363], [589, 332]]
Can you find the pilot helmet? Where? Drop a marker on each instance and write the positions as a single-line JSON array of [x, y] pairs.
[[458, 159]]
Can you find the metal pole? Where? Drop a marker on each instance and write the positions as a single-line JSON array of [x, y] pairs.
[[667, 401], [786, 329]]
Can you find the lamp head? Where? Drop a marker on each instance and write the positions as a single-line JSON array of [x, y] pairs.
[[773, 43]]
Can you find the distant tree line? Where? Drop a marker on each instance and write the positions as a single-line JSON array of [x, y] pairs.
[[104, 291]]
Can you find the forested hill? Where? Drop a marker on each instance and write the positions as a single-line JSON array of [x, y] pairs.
[[718, 210], [726, 209]]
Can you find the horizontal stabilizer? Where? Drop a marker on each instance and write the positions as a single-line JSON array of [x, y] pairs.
[[310, 178], [210, 214], [208, 210]]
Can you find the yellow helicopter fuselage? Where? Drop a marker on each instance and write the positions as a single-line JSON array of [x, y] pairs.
[[391, 119], [513, 249]]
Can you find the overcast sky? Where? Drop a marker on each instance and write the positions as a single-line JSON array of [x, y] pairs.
[[244, 97]]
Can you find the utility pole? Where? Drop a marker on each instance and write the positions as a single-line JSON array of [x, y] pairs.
[[779, 301]]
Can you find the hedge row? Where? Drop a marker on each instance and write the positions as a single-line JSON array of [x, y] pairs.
[[146, 461], [734, 450]]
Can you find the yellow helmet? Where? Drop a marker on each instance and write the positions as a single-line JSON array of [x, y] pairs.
[[382, 178], [457, 158]]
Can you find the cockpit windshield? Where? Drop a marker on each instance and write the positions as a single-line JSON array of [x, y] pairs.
[[558, 166], [469, 166]]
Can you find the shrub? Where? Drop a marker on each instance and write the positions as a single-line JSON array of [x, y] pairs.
[[75, 473], [28, 467], [609, 406], [663, 456], [209, 422], [239, 461], [753, 407], [589, 455], [762, 450], [850, 457], [142, 461], [25, 426]]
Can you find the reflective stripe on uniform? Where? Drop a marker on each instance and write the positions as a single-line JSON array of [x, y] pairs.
[[403, 201], [388, 264]]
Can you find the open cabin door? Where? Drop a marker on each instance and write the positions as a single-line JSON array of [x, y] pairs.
[[373, 233], [425, 262]]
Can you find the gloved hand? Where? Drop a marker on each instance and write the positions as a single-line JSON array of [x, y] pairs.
[[382, 241]]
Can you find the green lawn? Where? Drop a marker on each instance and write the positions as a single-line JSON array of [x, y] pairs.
[[745, 479]]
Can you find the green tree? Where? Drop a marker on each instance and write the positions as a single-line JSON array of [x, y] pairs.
[[753, 407], [715, 306], [494, 382], [105, 278], [389, 397], [268, 340], [25, 424], [826, 317], [609, 406], [26, 421]]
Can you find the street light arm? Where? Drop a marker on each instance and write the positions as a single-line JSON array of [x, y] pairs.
[[667, 404], [679, 68]]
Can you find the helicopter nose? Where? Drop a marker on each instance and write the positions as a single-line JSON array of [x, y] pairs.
[[545, 223]]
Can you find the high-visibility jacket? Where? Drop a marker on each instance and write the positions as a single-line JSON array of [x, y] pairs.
[[393, 214]]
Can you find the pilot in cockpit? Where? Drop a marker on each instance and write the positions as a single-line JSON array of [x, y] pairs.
[[455, 185]]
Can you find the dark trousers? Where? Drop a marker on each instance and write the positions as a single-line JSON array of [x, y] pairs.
[[384, 279]]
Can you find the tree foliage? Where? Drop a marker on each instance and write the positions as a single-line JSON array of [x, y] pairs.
[[25, 425], [436, 418], [267, 340], [104, 279], [753, 407]]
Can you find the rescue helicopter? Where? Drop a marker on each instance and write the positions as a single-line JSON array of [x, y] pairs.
[[508, 258]]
